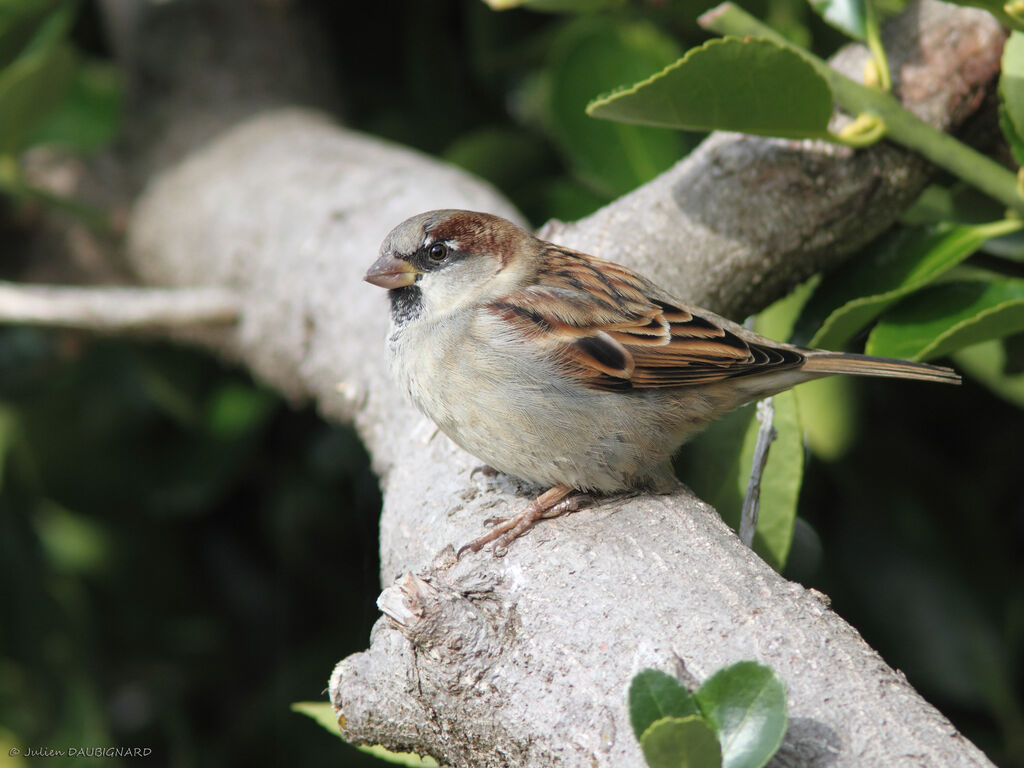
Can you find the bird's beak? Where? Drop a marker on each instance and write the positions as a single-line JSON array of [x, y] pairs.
[[389, 272]]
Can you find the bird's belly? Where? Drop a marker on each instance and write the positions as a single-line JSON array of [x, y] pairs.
[[527, 421]]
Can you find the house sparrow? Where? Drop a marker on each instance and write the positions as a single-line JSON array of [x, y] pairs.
[[567, 370]]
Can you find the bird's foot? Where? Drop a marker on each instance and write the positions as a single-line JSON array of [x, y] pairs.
[[555, 501]]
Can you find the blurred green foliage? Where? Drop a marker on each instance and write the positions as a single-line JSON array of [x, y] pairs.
[[183, 556], [51, 94]]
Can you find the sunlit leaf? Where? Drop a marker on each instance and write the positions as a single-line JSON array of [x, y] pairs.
[[323, 713], [681, 742], [905, 261], [654, 695], [746, 703], [948, 317], [849, 16], [753, 86]]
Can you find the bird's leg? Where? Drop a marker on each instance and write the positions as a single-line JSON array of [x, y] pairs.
[[551, 503]]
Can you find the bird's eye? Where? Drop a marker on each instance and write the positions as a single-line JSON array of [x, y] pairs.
[[437, 252]]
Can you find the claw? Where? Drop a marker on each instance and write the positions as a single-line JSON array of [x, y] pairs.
[[551, 503]]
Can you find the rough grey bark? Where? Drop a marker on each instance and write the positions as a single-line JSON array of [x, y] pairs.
[[525, 660]]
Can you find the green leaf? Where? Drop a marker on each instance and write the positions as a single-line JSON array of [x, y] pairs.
[[235, 411], [849, 16], [781, 482], [409, 759], [33, 85], [681, 742], [504, 156], [948, 317], [87, 118], [828, 414], [746, 703], [74, 542], [323, 713], [592, 55], [751, 85], [654, 695], [899, 264], [1011, 93], [1013, 138], [825, 407], [986, 362], [1013, 346], [566, 199], [20, 21], [717, 467], [959, 203]]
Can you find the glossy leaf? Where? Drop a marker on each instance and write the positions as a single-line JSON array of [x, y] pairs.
[[746, 703], [855, 294], [849, 16], [681, 742], [593, 55], [654, 695], [948, 317], [754, 86], [323, 713]]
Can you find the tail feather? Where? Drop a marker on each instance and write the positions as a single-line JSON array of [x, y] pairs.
[[865, 365]]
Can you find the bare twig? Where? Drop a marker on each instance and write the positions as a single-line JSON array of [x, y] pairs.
[[766, 435], [117, 309]]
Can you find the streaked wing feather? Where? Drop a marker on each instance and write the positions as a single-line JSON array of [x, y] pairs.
[[612, 333]]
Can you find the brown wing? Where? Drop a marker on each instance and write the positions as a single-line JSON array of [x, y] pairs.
[[605, 324]]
